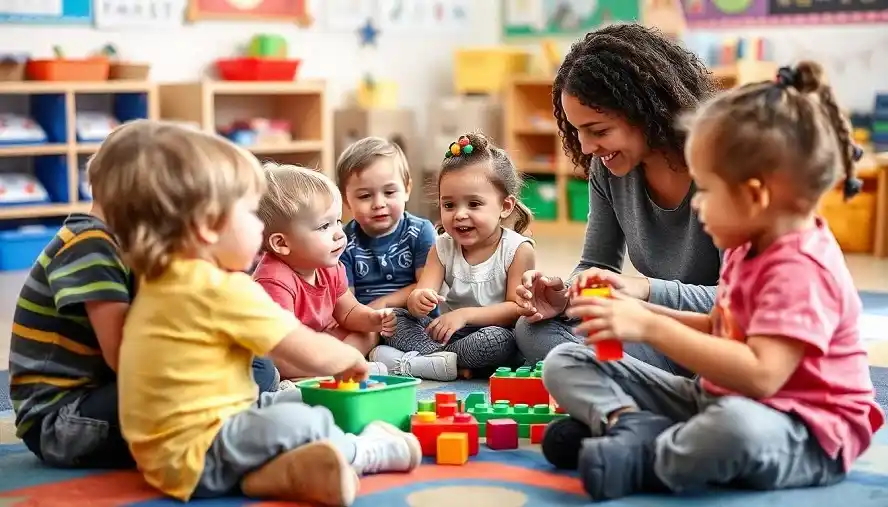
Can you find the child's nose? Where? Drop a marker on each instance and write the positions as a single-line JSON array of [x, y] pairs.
[[378, 201]]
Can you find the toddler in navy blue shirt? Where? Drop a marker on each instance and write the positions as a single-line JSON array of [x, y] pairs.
[[387, 246]]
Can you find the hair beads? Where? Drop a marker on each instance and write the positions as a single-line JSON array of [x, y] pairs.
[[460, 147]]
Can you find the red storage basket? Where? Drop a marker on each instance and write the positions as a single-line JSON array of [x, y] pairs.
[[257, 69]]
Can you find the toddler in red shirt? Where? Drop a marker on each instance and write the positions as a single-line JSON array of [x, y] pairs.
[[300, 268]]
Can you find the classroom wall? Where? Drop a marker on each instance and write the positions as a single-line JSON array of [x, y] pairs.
[[856, 56]]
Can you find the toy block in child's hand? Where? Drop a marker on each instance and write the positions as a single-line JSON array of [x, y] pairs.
[[453, 449], [605, 350], [502, 434]]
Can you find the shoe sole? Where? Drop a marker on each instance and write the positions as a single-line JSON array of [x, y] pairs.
[[317, 473], [409, 438]]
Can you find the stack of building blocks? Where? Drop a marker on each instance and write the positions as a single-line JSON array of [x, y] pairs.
[[443, 416], [522, 386], [502, 434], [453, 449], [605, 350], [524, 415]]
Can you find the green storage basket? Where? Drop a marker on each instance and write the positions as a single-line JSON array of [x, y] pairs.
[[578, 200], [541, 196], [353, 410]]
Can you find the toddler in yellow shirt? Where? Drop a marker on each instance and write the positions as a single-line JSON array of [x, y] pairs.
[[189, 408]]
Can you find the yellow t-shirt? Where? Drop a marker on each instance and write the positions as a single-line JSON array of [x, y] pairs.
[[186, 366]]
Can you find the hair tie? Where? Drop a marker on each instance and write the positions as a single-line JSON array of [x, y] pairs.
[[856, 153], [852, 187], [787, 77], [460, 147]]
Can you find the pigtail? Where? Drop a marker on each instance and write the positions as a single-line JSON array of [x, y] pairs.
[[523, 217]]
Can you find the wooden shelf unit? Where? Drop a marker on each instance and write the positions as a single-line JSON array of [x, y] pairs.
[[213, 104], [71, 149]]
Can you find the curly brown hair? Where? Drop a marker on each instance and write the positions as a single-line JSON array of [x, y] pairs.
[[635, 72]]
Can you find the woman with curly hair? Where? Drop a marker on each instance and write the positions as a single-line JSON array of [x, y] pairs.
[[617, 98]]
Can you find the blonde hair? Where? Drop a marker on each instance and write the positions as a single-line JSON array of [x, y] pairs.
[[291, 191], [361, 154], [499, 169], [157, 182], [792, 124]]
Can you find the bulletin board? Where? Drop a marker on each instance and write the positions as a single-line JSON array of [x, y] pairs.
[[47, 12], [563, 18], [727, 13]]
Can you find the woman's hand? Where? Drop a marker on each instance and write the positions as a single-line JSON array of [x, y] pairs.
[[618, 317], [636, 287], [541, 297]]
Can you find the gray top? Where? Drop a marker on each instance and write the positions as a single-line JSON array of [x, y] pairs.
[[667, 246]]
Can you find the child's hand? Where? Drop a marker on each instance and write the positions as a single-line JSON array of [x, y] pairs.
[[423, 301], [442, 328], [637, 287], [618, 317], [357, 372], [385, 320]]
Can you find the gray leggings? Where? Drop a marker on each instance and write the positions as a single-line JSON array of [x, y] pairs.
[[474, 347], [536, 340], [721, 440]]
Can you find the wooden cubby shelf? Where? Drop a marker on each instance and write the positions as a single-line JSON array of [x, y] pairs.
[[212, 105], [55, 106]]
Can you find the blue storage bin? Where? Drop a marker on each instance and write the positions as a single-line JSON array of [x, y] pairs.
[[48, 110], [20, 247], [130, 106], [52, 171]]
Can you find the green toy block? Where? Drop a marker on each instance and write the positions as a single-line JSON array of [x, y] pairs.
[[522, 414], [425, 406], [473, 400]]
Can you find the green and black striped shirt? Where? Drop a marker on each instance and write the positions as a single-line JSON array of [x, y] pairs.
[[54, 353]]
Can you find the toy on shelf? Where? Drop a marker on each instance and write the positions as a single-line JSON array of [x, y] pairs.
[[605, 350], [16, 129], [354, 406], [536, 433], [94, 127], [524, 385], [453, 449], [258, 131], [443, 416], [21, 188], [265, 60], [501, 434]]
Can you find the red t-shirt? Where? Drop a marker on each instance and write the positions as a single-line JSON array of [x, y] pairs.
[[800, 289], [312, 304]]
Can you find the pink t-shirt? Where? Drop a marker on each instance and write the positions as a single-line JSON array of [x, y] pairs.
[[801, 289], [312, 304]]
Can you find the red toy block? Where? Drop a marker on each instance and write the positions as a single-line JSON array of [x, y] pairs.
[[446, 409], [328, 384], [536, 433], [444, 398], [427, 427], [605, 350], [518, 390], [502, 434]]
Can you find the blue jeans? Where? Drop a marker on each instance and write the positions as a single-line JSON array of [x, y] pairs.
[[265, 374]]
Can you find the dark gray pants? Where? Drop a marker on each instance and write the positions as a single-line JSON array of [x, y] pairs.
[[729, 440]]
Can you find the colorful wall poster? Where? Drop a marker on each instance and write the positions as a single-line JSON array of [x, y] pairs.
[[47, 12], [723, 13], [563, 18]]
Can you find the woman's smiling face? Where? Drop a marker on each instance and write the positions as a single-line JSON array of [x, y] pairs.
[[607, 136]]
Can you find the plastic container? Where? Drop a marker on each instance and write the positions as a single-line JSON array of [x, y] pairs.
[[353, 410], [257, 69], [541, 196], [487, 70], [578, 200], [90, 69], [127, 71], [20, 247]]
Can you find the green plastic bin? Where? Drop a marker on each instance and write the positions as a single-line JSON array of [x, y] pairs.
[[353, 410], [541, 196], [578, 200]]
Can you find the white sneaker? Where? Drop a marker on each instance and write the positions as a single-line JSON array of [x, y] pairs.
[[382, 447], [286, 385], [377, 368], [440, 366]]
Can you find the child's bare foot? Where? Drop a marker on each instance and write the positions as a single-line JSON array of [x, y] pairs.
[[316, 473], [465, 374]]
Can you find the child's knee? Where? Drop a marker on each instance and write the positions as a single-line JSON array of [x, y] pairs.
[[561, 365]]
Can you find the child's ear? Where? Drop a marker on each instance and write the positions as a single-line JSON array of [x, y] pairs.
[[206, 234], [757, 194], [508, 207], [407, 189], [278, 244]]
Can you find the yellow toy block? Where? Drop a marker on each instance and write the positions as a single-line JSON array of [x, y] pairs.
[[349, 385], [453, 449], [601, 292]]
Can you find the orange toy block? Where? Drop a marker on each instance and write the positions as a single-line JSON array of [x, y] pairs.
[[605, 350], [428, 427], [536, 433], [453, 449]]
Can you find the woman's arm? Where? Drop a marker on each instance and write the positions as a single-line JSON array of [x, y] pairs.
[[604, 241], [681, 296]]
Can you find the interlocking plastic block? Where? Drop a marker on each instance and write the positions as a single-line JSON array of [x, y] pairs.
[[502, 434], [425, 406], [536, 433], [524, 415], [453, 449], [605, 350], [427, 427], [348, 385], [524, 385], [328, 384]]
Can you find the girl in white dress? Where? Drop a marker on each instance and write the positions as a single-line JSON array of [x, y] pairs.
[[480, 257]]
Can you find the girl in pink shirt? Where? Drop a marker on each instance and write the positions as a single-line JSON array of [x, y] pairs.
[[783, 398]]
